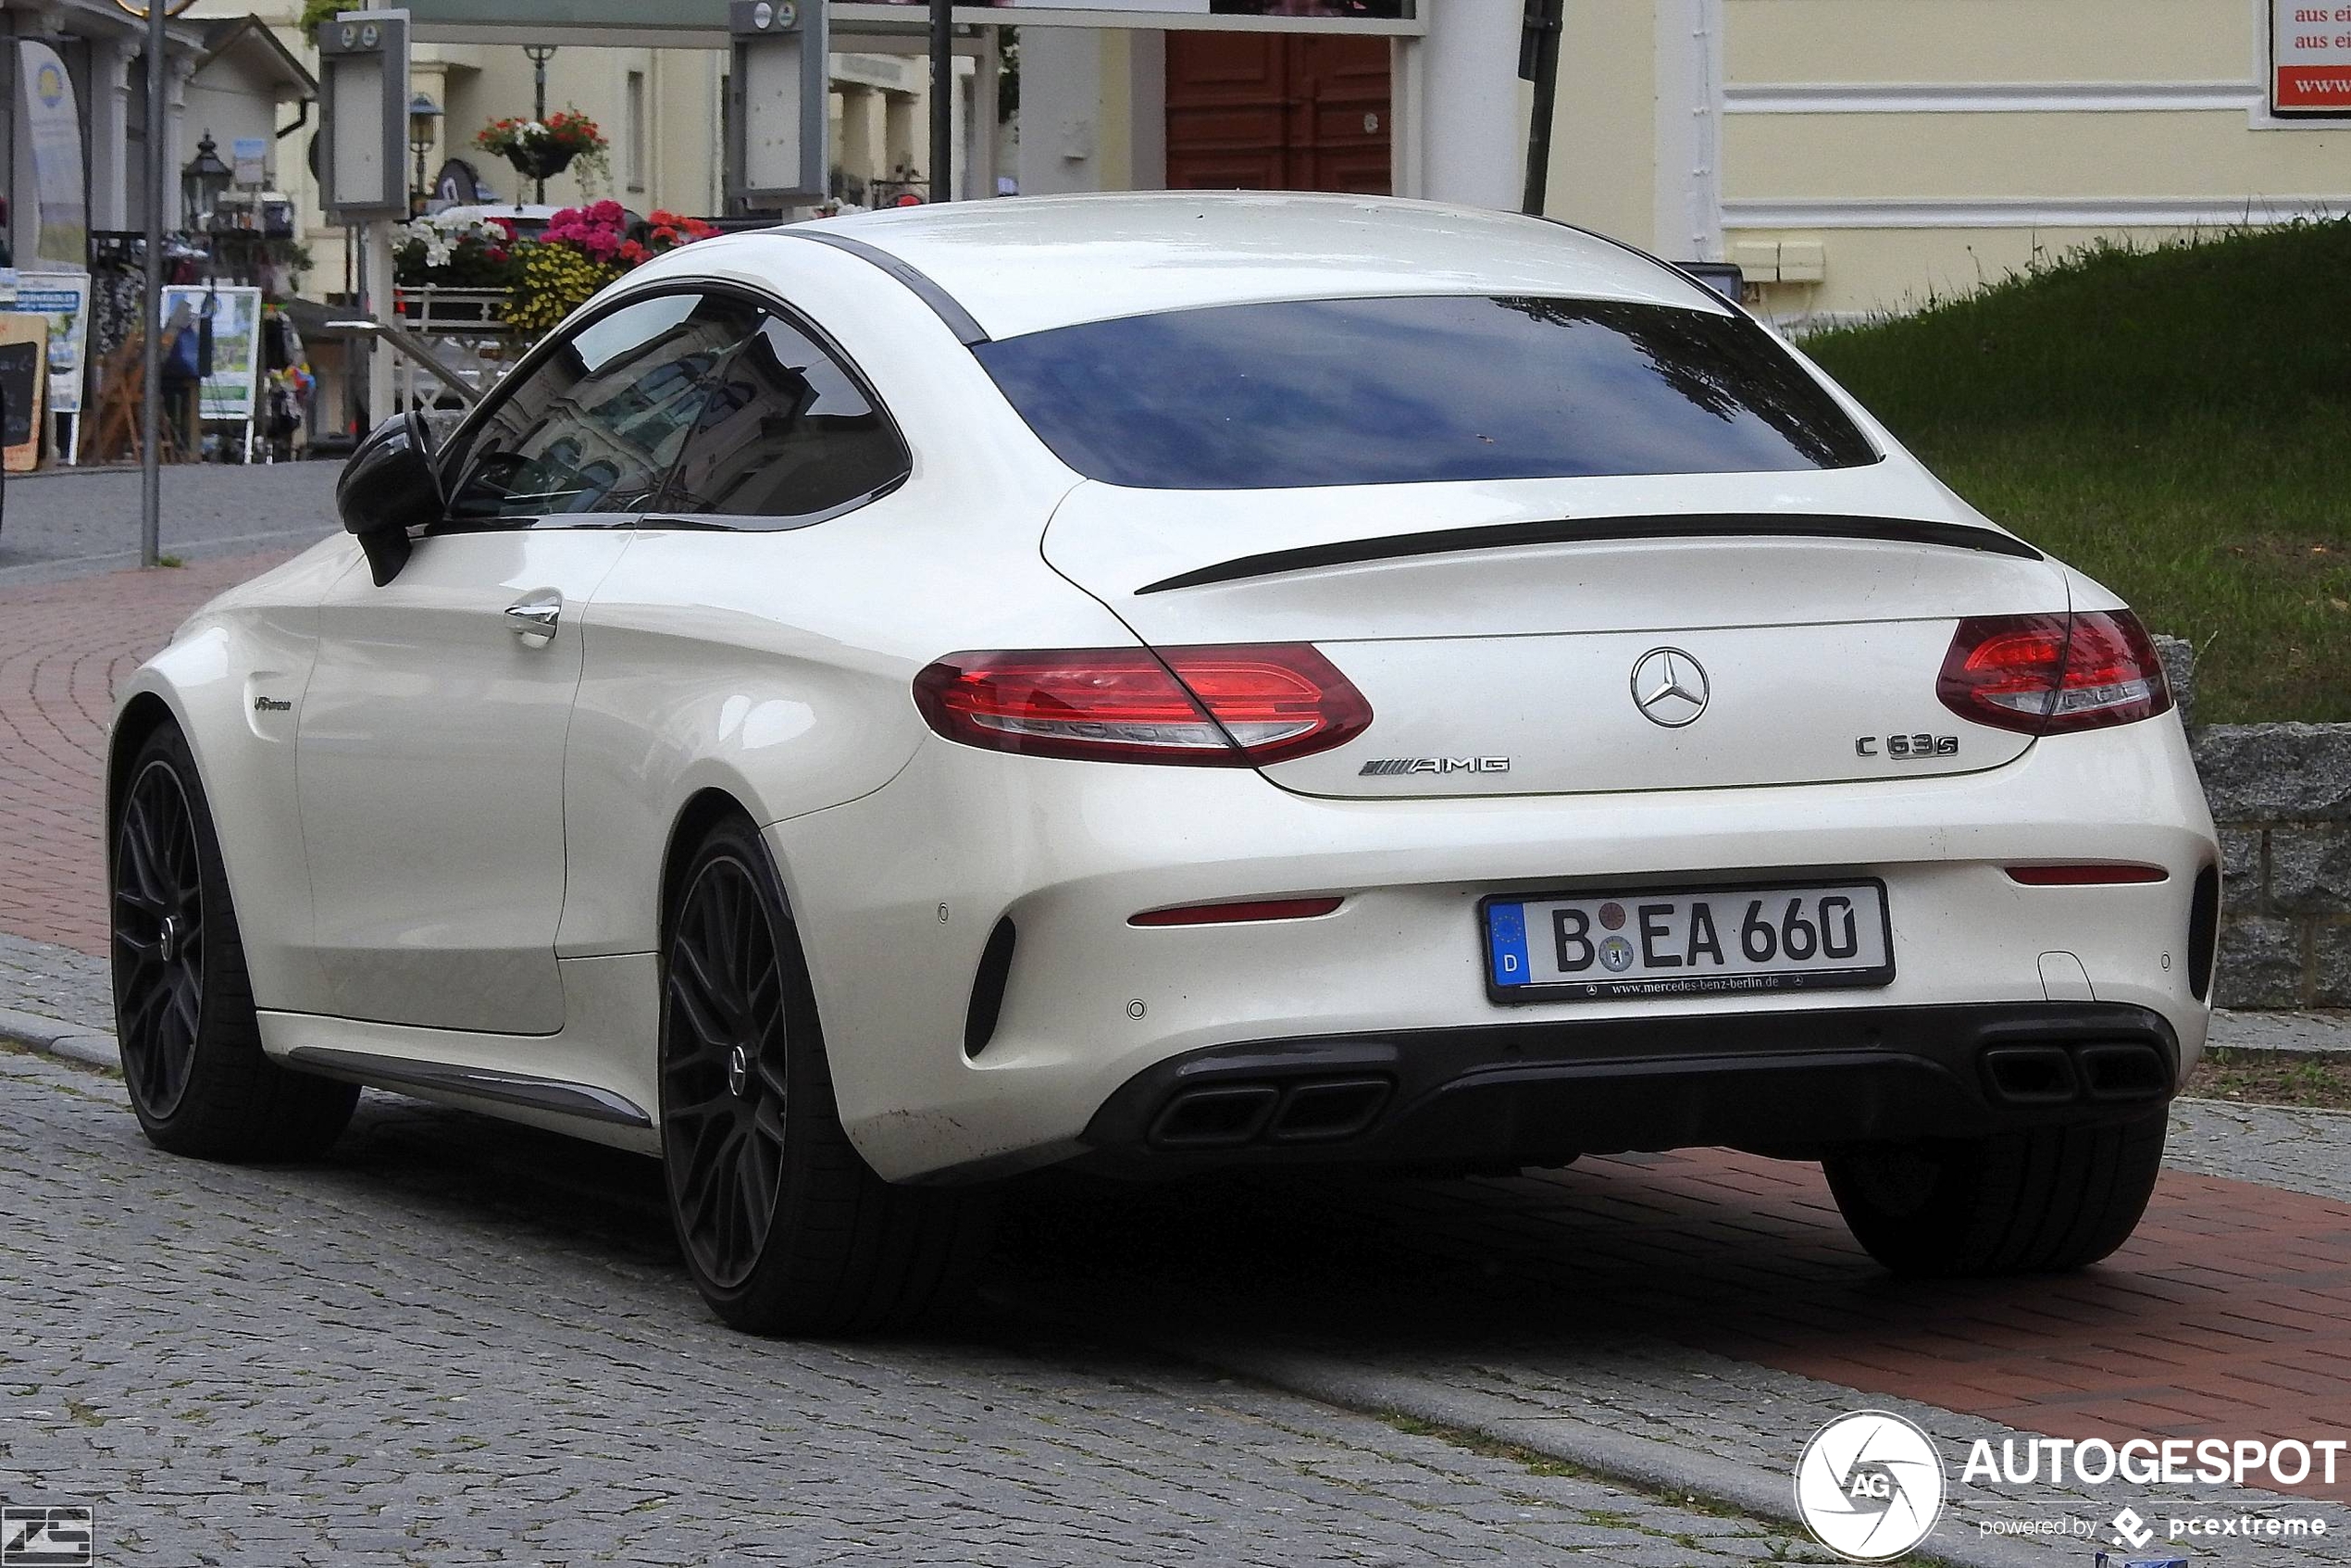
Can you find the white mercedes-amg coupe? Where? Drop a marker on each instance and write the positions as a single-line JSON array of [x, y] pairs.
[[1170, 682]]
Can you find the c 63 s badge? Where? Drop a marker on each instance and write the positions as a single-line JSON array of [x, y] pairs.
[[1385, 767], [1907, 747]]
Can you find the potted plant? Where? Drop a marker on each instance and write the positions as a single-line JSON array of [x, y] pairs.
[[453, 252], [543, 149]]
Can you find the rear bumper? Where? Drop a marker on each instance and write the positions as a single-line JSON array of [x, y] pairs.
[[1514, 1094], [948, 1067]]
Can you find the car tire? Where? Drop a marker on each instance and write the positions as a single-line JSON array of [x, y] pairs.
[[2035, 1201], [192, 1056], [785, 1228]]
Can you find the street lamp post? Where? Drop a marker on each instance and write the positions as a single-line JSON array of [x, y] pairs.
[[422, 113], [539, 55], [204, 180]]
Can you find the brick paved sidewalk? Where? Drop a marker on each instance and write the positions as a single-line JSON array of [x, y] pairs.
[[63, 647]]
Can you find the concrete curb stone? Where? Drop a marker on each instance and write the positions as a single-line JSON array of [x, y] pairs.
[[51, 1037], [1640, 1461]]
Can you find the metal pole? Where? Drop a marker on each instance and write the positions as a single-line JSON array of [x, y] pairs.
[[942, 100], [151, 409], [1539, 61], [539, 55]]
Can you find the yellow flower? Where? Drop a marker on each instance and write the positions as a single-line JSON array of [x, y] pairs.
[[557, 280]]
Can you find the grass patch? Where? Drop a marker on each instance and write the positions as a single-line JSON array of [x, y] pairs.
[[2265, 1078], [2174, 422]]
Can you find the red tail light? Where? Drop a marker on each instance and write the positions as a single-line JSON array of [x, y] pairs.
[[1233, 706], [2045, 675]]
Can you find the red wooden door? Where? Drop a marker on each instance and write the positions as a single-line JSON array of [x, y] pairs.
[[1272, 112]]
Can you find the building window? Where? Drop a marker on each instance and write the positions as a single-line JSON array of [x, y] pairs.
[[633, 132]]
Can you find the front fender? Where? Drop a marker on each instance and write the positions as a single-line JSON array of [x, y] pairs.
[[232, 678]]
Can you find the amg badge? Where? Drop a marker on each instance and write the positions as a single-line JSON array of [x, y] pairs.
[[1385, 765]]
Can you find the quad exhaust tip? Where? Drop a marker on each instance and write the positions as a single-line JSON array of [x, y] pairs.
[[1232, 1115], [2106, 1072]]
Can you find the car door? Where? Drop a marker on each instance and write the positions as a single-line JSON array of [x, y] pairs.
[[432, 746], [734, 637]]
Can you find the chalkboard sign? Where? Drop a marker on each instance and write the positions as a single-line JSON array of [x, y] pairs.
[[18, 364], [24, 354]]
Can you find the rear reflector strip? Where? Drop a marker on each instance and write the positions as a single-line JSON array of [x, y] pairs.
[[1235, 914], [2084, 876]]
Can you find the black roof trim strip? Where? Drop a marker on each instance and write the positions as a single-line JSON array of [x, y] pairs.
[[944, 304], [1601, 531]]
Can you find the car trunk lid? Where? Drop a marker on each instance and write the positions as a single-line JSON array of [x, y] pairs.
[[1562, 636]]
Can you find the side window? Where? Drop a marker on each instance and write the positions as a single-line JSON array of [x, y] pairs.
[[786, 434], [594, 427]]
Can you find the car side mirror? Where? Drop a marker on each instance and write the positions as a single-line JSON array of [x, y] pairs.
[[390, 486]]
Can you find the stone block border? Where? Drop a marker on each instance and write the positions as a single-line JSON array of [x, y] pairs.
[[2280, 796]]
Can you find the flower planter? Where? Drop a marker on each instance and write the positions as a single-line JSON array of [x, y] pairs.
[[541, 163]]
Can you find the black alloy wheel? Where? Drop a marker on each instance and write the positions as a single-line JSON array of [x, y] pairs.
[[724, 1085], [184, 1016], [785, 1227], [158, 939]]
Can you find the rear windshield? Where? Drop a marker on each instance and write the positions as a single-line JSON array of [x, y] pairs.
[[1431, 388]]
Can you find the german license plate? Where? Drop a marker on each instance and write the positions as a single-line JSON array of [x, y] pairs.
[[1559, 948]]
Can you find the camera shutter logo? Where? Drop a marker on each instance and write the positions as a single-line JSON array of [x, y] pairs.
[[1869, 1486], [45, 1537]]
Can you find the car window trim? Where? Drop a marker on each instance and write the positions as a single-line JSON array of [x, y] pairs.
[[677, 520]]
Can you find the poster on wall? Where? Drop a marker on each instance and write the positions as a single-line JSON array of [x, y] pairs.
[[233, 389], [23, 340], [63, 298], [53, 124], [2310, 59]]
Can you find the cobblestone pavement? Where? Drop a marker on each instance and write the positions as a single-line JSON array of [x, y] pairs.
[[2291, 1147], [56, 982], [458, 1343], [70, 523]]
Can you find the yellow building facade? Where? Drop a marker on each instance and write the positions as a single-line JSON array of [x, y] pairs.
[[1852, 155]]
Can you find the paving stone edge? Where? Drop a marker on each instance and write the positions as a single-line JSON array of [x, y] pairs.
[[1640, 1461], [54, 1036]]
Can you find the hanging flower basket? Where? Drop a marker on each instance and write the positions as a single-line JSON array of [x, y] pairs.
[[540, 162], [543, 150]]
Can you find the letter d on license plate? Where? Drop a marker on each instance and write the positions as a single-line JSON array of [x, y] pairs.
[[1563, 948]]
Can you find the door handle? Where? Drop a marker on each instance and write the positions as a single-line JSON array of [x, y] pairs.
[[534, 617]]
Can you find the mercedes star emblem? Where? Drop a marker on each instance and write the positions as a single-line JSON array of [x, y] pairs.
[[1669, 687]]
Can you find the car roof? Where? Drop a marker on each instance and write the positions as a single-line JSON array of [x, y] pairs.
[[1033, 263]]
